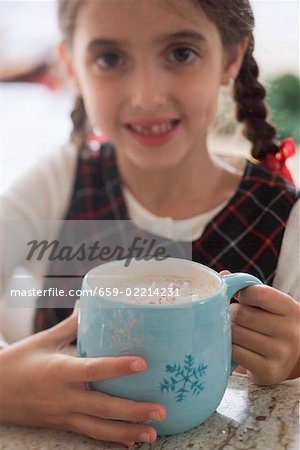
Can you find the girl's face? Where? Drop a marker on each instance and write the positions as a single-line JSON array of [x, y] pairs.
[[149, 73]]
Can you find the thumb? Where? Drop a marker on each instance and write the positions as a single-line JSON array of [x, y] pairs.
[[224, 272], [62, 334]]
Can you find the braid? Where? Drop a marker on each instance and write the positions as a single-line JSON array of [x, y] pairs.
[[80, 123], [249, 95]]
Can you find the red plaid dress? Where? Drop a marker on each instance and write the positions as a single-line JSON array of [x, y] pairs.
[[245, 236]]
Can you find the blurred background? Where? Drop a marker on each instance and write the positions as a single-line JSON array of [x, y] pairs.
[[35, 101]]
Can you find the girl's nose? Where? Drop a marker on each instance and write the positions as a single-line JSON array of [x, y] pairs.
[[148, 89]]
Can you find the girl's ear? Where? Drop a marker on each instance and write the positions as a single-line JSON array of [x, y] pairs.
[[233, 61], [64, 57]]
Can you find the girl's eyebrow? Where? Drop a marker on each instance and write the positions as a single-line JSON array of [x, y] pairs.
[[104, 42], [189, 35], [184, 34]]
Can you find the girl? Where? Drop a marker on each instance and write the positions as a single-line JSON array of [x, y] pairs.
[[148, 73]]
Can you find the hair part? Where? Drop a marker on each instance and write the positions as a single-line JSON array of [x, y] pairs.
[[235, 22]]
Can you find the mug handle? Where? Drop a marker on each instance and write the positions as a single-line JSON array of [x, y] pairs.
[[234, 283]]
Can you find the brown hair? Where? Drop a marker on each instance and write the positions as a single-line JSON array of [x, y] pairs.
[[235, 21]]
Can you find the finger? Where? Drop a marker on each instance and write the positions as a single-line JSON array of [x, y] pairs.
[[251, 361], [268, 299], [97, 369], [261, 370], [255, 319], [251, 340], [109, 430], [105, 406]]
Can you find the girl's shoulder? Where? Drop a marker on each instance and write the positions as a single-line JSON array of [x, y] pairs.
[[254, 173], [260, 177], [43, 191]]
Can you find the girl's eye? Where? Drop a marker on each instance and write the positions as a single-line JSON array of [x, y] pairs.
[[109, 60], [183, 55]]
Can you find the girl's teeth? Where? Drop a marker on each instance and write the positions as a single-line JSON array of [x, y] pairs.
[[155, 129]]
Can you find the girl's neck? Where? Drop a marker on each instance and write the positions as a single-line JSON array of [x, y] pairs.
[[182, 192]]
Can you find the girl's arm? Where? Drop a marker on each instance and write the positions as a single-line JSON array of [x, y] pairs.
[[27, 207], [287, 275], [41, 387]]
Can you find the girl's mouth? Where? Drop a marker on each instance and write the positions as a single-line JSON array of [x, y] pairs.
[[153, 133]]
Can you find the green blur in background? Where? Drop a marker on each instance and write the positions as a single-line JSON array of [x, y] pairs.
[[283, 100]]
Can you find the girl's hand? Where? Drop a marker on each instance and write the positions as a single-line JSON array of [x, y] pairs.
[[265, 334], [44, 388]]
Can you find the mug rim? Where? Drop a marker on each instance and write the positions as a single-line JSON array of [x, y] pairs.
[[125, 303]]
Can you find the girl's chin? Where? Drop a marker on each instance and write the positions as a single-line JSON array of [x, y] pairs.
[[147, 158], [155, 162]]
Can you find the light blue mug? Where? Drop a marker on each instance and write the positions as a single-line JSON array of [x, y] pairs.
[[187, 345]]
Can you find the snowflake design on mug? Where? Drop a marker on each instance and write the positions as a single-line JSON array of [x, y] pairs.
[[121, 330], [185, 379], [226, 320]]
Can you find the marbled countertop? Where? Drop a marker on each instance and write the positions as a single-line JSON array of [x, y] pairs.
[[249, 417]]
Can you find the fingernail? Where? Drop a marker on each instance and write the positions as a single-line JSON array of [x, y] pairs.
[[154, 415], [145, 437], [137, 365]]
